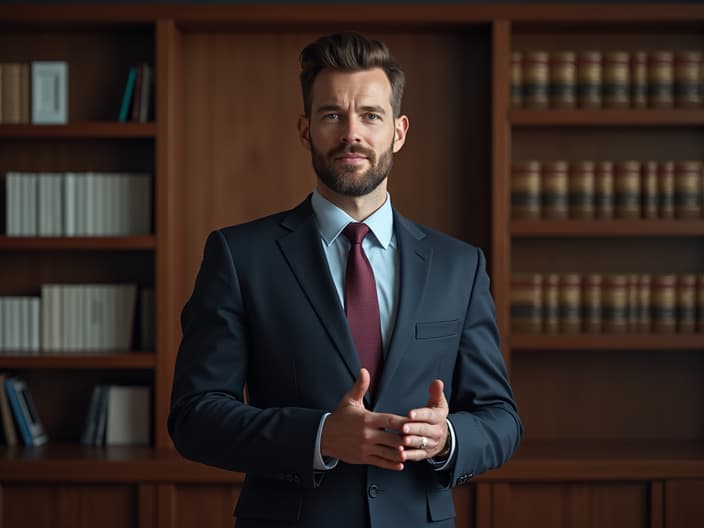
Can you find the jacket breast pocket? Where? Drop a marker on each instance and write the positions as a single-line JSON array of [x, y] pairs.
[[437, 329]]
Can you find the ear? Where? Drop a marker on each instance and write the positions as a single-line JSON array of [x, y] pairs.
[[401, 125], [304, 131]]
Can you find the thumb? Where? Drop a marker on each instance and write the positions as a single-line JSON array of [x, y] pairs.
[[437, 396], [360, 388]]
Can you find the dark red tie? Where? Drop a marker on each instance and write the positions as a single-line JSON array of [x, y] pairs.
[[361, 303]]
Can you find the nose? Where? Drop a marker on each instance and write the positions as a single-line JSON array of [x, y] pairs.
[[350, 132]]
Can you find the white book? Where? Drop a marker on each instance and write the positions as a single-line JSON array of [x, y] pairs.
[[80, 204], [58, 219], [15, 205], [30, 200], [128, 416], [24, 306], [100, 206], [20, 205], [56, 318], [9, 205], [69, 318], [69, 181], [90, 204], [44, 187], [35, 325], [122, 219], [46, 333]]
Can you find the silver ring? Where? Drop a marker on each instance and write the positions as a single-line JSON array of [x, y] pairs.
[[423, 442]]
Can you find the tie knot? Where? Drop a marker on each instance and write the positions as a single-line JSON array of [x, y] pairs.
[[355, 232]]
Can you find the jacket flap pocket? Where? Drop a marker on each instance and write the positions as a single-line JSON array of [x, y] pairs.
[[436, 330], [440, 505]]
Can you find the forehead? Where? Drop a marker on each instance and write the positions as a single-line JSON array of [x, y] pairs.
[[338, 87]]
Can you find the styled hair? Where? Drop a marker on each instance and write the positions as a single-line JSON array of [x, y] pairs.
[[349, 52]]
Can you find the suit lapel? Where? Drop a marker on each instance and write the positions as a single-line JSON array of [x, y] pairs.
[[304, 254], [415, 259]]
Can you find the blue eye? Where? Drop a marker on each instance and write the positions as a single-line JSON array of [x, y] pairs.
[[373, 117], [331, 117]]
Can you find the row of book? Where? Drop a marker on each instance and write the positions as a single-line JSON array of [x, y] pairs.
[[137, 97], [75, 318], [118, 415], [19, 420], [14, 93], [607, 303], [606, 189], [78, 204], [608, 79]]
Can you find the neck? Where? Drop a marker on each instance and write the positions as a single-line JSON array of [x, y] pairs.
[[358, 207]]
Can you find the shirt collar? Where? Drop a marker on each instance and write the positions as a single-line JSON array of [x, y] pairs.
[[332, 220]]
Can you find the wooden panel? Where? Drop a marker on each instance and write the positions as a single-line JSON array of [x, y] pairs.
[[684, 507], [205, 506], [465, 506], [602, 394], [52, 506], [242, 159], [579, 505]]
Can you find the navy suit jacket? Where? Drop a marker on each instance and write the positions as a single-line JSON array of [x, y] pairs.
[[264, 312]]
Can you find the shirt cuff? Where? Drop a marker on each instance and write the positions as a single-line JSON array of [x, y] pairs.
[[440, 464], [320, 463]]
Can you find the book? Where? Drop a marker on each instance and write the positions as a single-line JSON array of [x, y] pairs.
[[28, 423], [90, 428], [128, 415], [8, 424], [127, 95]]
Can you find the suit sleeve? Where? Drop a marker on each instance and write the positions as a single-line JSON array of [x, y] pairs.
[[209, 420], [482, 410]]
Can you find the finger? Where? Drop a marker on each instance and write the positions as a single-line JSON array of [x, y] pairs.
[[437, 396], [416, 455], [390, 422], [360, 387], [428, 415], [419, 429]]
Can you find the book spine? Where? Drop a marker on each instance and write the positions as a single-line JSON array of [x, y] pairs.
[[616, 79], [563, 79], [688, 90], [554, 186], [644, 303], [525, 189], [551, 303], [686, 303], [666, 189], [627, 189], [591, 303], [535, 79], [688, 189], [649, 189], [660, 79], [589, 79], [663, 296], [639, 79], [581, 189], [570, 303], [526, 302], [615, 298], [633, 302]]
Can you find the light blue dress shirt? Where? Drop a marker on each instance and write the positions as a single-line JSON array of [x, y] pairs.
[[382, 253]]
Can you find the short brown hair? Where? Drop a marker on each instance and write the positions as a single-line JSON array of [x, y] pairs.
[[349, 52]]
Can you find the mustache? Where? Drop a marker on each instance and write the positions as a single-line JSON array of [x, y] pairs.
[[352, 149]]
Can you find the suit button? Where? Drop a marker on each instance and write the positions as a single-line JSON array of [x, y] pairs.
[[373, 491]]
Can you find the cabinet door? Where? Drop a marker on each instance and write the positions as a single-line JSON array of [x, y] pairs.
[[683, 503], [80, 506], [577, 505]]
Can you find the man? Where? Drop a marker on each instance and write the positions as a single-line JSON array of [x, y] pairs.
[[367, 343]]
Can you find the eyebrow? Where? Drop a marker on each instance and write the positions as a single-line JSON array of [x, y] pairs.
[[335, 108]]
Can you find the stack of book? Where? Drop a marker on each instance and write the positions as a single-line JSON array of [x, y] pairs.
[[138, 94], [78, 204], [118, 415]]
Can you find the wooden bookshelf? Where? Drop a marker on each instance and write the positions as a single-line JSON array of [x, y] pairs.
[[614, 426]]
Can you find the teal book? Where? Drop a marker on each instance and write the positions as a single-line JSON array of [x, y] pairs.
[[127, 96]]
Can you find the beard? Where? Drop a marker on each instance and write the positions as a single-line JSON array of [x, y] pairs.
[[345, 180]]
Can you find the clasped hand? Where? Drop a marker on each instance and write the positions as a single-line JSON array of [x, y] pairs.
[[356, 435]]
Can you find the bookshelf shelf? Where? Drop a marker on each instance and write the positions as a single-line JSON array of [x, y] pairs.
[[578, 117], [77, 243], [87, 130], [573, 342], [609, 228], [73, 360]]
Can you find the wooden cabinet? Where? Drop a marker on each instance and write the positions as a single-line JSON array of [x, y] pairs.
[[614, 428]]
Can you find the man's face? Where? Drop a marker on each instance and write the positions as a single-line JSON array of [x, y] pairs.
[[351, 131]]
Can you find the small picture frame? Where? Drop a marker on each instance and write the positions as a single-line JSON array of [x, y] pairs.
[[49, 92]]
